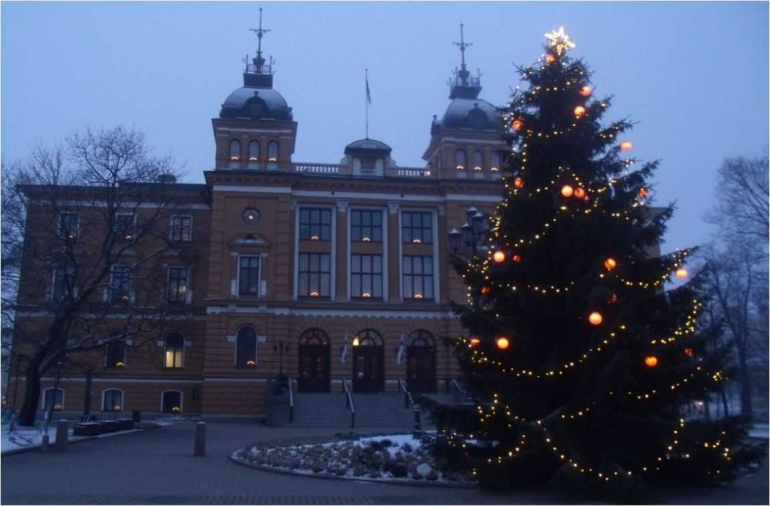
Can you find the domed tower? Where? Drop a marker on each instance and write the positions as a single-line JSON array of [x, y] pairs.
[[256, 128], [466, 141]]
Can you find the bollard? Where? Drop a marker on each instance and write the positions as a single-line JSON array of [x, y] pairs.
[[417, 425], [136, 416], [200, 439], [62, 427], [45, 443]]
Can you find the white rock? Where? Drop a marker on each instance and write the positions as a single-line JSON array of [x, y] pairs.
[[424, 469]]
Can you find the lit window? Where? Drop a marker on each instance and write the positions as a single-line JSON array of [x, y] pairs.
[[53, 399], [272, 151], [315, 224], [171, 401], [235, 149], [365, 225], [181, 229], [177, 284], [416, 227], [495, 161], [314, 275], [115, 352], [366, 276], [120, 284], [124, 226], [417, 277], [248, 279], [64, 282], [253, 151], [460, 159], [174, 351], [250, 216], [246, 347], [478, 160], [69, 224], [113, 400]]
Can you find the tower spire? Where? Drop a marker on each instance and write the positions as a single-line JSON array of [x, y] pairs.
[[259, 62], [463, 74]]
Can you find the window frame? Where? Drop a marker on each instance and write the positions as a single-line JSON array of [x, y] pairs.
[[408, 231], [128, 231], [181, 351], [104, 400], [169, 279], [253, 142], [43, 406], [174, 227], [478, 160], [107, 345], [310, 224], [230, 156], [245, 362], [259, 275], [426, 279], [372, 275], [309, 273], [270, 145], [461, 159], [163, 398], [122, 296], [357, 231], [59, 275], [64, 231]]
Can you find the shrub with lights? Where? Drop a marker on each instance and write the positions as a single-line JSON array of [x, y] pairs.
[[584, 368]]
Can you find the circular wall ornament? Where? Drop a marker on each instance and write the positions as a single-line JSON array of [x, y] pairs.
[[250, 216]]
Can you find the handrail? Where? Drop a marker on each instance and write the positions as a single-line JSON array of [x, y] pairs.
[[408, 400], [291, 401], [349, 402], [460, 390]]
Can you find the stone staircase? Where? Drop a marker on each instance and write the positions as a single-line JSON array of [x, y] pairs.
[[375, 410]]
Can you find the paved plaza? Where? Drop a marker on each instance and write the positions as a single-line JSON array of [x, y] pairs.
[[157, 467]]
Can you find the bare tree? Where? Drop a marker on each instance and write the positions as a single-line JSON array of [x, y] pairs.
[[84, 235], [741, 209]]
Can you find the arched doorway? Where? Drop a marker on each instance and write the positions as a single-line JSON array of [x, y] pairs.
[[368, 363], [421, 362], [314, 371]]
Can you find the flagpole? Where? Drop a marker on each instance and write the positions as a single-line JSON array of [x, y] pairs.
[[366, 99]]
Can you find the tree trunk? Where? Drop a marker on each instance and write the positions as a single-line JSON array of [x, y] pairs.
[[745, 381], [31, 397]]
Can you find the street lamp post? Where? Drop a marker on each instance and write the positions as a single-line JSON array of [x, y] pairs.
[[467, 241], [281, 347]]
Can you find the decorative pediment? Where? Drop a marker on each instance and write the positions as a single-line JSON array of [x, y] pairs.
[[250, 240]]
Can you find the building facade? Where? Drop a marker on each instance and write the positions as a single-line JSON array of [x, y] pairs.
[[319, 272]]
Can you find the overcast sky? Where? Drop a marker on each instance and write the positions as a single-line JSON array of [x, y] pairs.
[[693, 75]]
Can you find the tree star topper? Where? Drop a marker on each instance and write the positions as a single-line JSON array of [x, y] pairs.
[[560, 40]]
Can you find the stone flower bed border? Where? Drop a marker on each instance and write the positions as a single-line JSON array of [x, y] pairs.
[[340, 439]]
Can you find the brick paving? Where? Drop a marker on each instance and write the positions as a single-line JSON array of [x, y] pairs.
[[157, 467]]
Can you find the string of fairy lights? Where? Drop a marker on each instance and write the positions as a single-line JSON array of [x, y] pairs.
[[569, 186]]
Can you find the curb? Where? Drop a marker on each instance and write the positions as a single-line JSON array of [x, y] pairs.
[[83, 439], [410, 483]]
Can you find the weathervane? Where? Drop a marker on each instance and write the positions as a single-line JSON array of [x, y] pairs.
[[560, 40], [259, 62]]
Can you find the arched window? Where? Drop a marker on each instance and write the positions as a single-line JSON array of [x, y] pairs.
[[246, 347], [112, 400], [460, 160], [421, 338], [171, 401], [174, 350], [235, 149], [272, 151], [49, 399], [367, 337], [115, 351], [253, 151], [478, 160], [495, 162], [314, 337]]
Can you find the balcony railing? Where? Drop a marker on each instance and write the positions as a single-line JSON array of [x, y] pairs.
[[318, 168], [416, 172]]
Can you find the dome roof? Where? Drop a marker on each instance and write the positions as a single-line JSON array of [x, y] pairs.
[[256, 103], [367, 145], [472, 113]]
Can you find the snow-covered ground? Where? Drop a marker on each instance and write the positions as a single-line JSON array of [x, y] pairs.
[[390, 457], [26, 438]]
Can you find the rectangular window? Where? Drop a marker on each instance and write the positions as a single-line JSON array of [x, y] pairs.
[[181, 228], [365, 226], [124, 226], [64, 282], [418, 277], [177, 284], [366, 276], [69, 224], [314, 275], [120, 283], [115, 354], [315, 224], [416, 227], [248, 279], [53, 399], [113, 400]]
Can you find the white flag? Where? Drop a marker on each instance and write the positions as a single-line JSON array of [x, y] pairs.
[[344, 354], [401, 348]]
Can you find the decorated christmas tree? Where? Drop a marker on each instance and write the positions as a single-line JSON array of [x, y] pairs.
[[587, 364]]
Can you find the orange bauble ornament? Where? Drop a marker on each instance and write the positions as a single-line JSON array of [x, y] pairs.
[[499, 256], [516, 258], [595, 318], [517, 124], [651, 361], [518, 183], [567, 190], [610, 264], [485, 290], [614, 298], [586, 198], [644, 192], [579, 192], [579, 111], [550, 58], [689, 352], [474, 342], [626, 146], [681, 273], [503, 343], [586, 90]]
